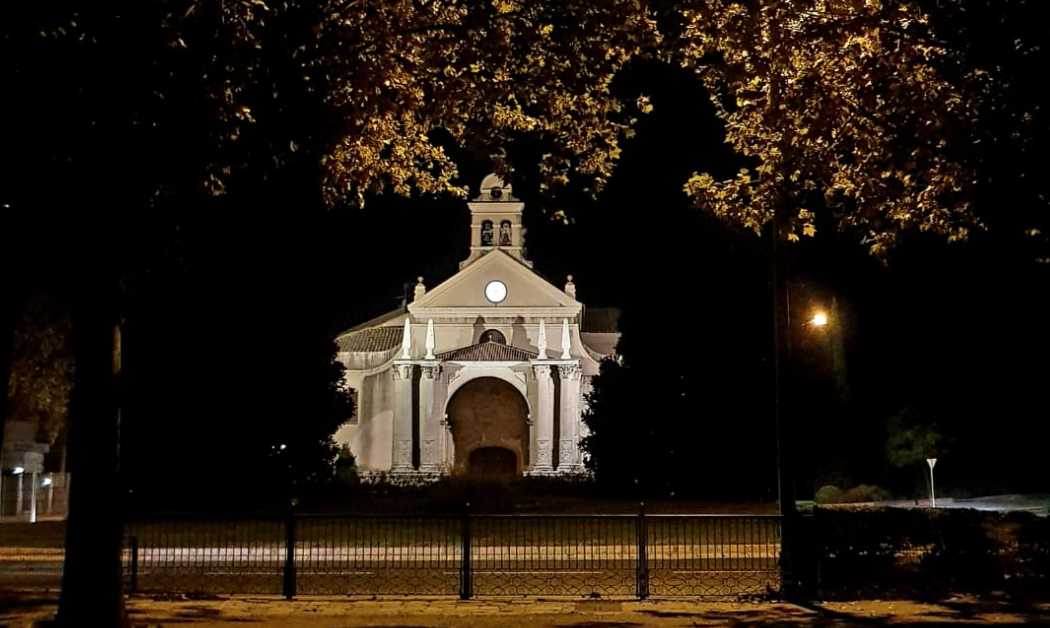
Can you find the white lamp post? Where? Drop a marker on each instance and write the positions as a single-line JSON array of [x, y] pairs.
[[17, 473], [933, 494]]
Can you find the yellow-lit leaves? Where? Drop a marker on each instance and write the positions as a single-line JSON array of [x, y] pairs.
[[854, 99], [392, 71]]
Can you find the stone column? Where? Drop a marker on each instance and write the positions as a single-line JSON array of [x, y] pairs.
[[543, 421], [448, 454], [18, 493], [430, 420], [569, 437], [401, 434], [32, 496]]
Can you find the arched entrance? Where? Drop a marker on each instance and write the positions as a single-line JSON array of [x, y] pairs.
[[488, 419], [493, 463]]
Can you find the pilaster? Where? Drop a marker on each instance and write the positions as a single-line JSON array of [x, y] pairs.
[[401, 458], [431, 432], [569, 460], [543, 421]]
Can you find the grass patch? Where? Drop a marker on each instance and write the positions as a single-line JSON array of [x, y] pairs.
[[43, 534]]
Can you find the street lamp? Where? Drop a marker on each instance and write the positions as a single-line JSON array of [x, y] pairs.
[[933, 494], [795, 578]]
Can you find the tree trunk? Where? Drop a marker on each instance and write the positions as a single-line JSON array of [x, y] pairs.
[[91, 584], [10, 307]]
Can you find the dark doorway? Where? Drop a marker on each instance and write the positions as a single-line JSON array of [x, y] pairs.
[[489, 414], [493, 463]]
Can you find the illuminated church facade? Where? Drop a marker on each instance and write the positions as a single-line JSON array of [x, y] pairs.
[[484, 374]]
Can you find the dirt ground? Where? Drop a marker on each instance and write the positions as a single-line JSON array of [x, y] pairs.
[[30, 611]]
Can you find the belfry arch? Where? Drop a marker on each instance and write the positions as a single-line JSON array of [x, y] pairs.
[[489, 422]]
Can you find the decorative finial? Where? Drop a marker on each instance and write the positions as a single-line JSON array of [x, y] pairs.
[[430, 340], [541, 343], [565, 339], [570, 287], [420, 289], [494, 188], [406, 341]]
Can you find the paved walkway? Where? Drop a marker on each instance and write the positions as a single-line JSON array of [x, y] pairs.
[[342, 612]]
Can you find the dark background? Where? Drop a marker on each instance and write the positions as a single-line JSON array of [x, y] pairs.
[[956, 332]]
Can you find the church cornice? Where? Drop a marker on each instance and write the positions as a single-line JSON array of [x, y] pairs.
[[569, 362], [497, 313], [494, 207]]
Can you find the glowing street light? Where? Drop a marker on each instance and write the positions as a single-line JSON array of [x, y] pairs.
[[820, 319]]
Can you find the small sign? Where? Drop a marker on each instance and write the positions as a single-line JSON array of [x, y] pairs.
[[931, 462]]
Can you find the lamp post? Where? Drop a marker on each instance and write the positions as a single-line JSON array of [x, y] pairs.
[[790, 573], [933, 494], [797, 570], [17, 473]]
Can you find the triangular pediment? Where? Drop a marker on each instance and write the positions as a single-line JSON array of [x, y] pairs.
[[526, 290]]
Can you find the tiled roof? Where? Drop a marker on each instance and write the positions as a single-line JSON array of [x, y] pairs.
[[370, 340], [377, 321], [488, 352], [601, 320]]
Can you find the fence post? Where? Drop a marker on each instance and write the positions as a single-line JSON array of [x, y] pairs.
[[134, 564], [289, 554], [466, 583], [807, 557], [642, 573]]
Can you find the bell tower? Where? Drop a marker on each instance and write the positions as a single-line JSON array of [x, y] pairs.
[[495, 222]]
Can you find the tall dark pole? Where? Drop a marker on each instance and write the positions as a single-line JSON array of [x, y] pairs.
[[781, 368], [789, 580], [790, 575]]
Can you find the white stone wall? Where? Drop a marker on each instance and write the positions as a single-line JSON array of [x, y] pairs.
[[370, 439]]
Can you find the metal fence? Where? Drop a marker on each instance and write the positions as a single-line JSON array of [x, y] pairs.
[[471, 555], [841, 554]]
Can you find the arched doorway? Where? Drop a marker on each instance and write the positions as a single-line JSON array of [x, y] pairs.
[[488, 419], [493, 463]]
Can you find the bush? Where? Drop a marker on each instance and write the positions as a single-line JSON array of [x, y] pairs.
[[456, 495], [828, 494], [864, 493], [926, 553], [346, 468]]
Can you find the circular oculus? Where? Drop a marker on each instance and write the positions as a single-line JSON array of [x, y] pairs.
[[496, 291]]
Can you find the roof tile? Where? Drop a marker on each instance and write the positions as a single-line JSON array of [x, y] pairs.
[[488, 352], [371, 340]]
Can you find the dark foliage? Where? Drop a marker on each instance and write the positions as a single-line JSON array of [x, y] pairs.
[[918, 553]]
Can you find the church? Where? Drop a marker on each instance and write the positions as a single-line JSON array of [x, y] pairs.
[[483, 375]]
